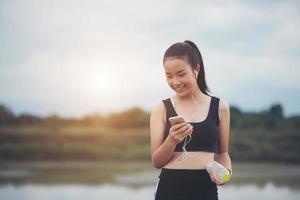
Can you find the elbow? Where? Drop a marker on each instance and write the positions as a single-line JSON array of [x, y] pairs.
[[156, 164]]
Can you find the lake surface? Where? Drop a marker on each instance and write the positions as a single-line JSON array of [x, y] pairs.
[[135, 181], [115, 192]]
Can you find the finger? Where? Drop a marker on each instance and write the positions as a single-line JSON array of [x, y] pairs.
[[188, 131], [174, 130], [178, 126], [182, 129], [181, 138]]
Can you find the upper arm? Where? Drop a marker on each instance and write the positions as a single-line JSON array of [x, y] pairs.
[[157, 126], [224, 126]]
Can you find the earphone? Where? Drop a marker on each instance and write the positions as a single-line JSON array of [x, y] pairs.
[[186, 153], [196, 71], [196, 74]]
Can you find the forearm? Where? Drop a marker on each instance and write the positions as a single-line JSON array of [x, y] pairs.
[[224, 159], [163, 154]]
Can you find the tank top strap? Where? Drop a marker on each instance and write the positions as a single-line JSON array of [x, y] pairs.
[[170, 112], [214, 109]]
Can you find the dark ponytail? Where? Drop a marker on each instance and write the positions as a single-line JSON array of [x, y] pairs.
[[189, 50]]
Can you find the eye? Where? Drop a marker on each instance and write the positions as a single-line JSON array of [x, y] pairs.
[[181, 75]]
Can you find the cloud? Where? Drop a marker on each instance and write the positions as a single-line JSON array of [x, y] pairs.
[[75, 57]]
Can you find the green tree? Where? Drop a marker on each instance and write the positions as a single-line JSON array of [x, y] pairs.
[[134, 117], [7, 117], [276, 110]]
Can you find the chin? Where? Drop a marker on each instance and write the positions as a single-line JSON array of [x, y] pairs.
[[183, 94]]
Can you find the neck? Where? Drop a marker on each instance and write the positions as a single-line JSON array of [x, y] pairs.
[[196, 92]]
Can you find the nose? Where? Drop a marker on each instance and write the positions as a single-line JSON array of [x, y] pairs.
[[176, 82]]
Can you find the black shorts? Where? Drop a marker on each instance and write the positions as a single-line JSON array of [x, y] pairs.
[[185, 184]]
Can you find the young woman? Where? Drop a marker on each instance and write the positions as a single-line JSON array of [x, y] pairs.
[[183, 150]]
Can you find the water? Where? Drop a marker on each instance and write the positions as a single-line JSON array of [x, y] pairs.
[[134, 181], [115, 192]]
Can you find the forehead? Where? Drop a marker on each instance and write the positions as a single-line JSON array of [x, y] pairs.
[[173, 64]]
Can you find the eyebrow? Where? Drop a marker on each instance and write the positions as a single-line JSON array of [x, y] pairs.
[[177, 72]]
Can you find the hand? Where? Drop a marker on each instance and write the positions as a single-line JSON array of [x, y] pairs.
[[179, 131], [214, 179]]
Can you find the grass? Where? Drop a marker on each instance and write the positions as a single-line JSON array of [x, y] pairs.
[[100, 172]]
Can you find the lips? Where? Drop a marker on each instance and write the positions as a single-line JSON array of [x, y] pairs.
[[179, 89]]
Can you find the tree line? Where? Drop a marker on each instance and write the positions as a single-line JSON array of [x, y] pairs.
[[265, 136], [270, 119], [134, 117]]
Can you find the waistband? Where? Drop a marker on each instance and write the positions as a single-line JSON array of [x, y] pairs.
[[183, 173]]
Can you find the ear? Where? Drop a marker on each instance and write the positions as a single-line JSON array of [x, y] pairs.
[[197, 69]]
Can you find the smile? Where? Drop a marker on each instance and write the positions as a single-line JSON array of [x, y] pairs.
[[179, 88]]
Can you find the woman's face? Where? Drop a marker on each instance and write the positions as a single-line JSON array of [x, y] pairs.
[[180, 76]]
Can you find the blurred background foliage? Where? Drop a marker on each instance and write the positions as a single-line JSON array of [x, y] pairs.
[[254, 136]]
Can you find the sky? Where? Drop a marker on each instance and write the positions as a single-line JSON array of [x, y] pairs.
[[74, 58]]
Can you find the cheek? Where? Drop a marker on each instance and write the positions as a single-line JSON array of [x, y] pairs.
[[186, 80], [168, 80], [192, 78], [183, 80]]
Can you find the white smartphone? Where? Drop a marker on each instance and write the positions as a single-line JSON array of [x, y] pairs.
[[176, 119]]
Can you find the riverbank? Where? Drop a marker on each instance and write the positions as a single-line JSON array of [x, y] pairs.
[[135, 173]]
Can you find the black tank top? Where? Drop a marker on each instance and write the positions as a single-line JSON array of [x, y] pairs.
[[205, 133]]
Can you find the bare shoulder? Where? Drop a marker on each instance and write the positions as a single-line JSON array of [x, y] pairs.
[[159, 111], [159, 107], [224, 108], [157, 125]]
